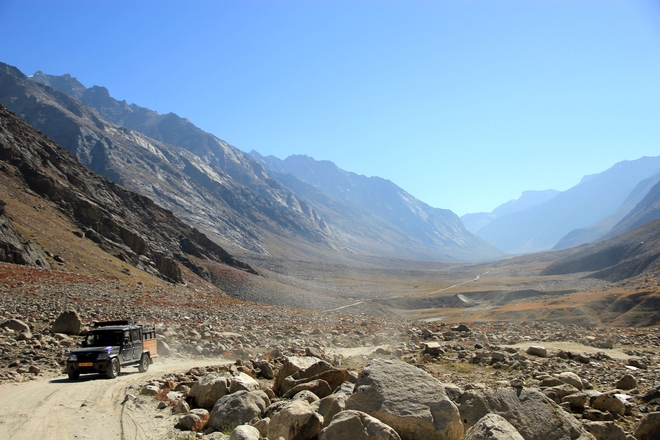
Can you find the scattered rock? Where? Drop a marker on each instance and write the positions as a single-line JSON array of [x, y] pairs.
[[492, 427], [537, 350], [627, 382]]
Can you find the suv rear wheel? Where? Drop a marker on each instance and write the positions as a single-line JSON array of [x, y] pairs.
[[113, 369], [144, 363]]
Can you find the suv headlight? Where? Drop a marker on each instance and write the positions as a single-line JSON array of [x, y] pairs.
[[102, 356], [73, 357]]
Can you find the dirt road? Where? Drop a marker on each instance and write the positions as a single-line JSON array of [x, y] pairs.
[[90, 408]]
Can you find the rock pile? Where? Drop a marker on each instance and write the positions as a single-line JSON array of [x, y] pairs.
[[388, 399], [392, 399]]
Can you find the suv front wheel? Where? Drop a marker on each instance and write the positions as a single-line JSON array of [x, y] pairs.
[[113, 369]]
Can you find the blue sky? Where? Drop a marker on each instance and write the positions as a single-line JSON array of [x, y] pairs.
[[464, 104]]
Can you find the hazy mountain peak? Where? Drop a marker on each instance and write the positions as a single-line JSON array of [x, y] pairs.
[[526, 200]]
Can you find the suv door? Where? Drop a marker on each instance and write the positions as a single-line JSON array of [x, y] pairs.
[[136, 337], [126, 353]]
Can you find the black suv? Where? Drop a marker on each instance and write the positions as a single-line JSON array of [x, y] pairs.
[[111, 345]]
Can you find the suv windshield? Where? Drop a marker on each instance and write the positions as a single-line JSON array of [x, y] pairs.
[[104, 338]]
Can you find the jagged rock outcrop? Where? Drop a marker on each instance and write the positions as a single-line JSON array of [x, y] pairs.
[[624, 256]]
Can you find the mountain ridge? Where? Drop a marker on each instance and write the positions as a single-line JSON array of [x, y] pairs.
[[256, 213], [122, 223]]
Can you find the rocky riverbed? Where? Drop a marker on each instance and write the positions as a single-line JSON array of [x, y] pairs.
[[606, 381]]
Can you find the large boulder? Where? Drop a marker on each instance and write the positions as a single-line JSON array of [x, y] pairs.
[[648, 428], [611, 402], [606, 430], [408, 399], [318, 387], [236, 409], [210, 388], [572, 379], [356, 425], [537, 350], [196, 420], [162, 348], [532, 413], [291, 365], [329, 406], [334, 377], [492, 427], [297, 420], [244, 432], [243, 382], [627, 382], [68, 323]]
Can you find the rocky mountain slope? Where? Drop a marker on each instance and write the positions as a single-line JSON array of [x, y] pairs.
[[372, 207], [647, 210], [125, 225], [403, 227], [626, 255], [595, 198], [192, 187]]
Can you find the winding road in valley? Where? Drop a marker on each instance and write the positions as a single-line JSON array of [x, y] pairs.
[[400, 296]]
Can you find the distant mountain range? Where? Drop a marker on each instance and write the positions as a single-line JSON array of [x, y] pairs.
[[367, 205], [303, 208], [582, 214], [527, 200], [226, 193]]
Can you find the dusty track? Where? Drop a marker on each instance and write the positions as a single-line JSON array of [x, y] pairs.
[[90, 408]]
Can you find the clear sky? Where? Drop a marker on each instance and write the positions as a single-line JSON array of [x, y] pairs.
[[464, 104]]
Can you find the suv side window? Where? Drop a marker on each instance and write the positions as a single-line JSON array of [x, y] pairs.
[[135, 335]]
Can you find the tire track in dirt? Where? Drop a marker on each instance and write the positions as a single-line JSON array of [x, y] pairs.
[[89, 408]]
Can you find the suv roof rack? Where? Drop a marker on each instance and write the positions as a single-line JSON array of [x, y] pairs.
[[109, 323]]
